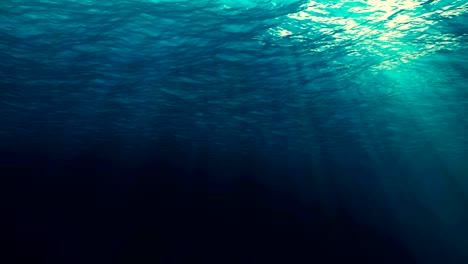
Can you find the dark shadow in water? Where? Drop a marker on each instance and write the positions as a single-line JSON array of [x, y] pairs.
[[75, 209]]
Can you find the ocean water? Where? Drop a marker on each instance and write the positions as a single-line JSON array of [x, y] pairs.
[[234, 131]]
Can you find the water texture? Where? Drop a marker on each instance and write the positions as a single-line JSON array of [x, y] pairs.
[[352, 106]]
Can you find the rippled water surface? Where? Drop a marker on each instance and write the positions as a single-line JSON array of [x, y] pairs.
[[363, 103]]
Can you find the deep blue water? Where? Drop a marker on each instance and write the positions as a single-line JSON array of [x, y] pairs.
[[234, 131]]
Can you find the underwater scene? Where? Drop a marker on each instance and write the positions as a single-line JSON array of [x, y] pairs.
[[234, 131]]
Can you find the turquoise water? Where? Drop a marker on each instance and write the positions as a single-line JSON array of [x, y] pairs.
[[365, 103]]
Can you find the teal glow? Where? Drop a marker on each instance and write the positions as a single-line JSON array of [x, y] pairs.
[[395, 32]]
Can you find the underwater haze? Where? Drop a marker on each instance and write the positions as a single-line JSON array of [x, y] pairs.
[[234, 131]]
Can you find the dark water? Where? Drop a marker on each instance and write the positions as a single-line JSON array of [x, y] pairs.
[[231, 131]]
